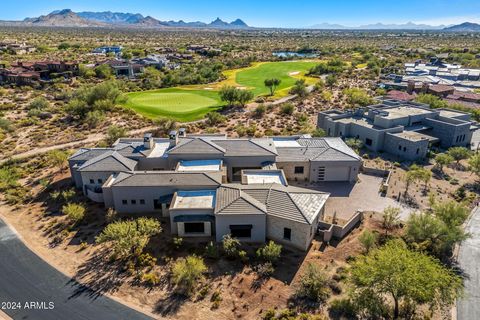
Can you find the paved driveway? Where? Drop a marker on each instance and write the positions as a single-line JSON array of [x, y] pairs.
[[469, 260], [347, 198], [26, 280]]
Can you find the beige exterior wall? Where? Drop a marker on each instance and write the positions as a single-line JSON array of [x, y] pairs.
[[301, 234], [289, 170]]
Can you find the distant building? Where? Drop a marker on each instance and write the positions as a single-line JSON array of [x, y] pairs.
[[17, 48], [125, 68], [405, 129], [153, 60], [26, 73], [107, 49]]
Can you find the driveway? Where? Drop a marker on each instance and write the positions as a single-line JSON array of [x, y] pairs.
[[32, 289], [468, 259], [346, 198]]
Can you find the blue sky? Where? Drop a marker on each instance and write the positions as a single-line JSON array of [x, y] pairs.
[[266, 13]]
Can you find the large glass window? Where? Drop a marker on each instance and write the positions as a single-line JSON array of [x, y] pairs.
[[241, 231], [194, 227]]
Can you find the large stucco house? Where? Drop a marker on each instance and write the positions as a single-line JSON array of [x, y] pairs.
[[210, 185], [405, 129]]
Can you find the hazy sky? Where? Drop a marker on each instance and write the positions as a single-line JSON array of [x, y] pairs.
[[266, 13]]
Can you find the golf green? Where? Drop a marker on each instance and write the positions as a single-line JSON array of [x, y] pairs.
[[287, 71], [189, 103], [177, 103]]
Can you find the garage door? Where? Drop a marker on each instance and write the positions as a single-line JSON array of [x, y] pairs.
[[336, 174]]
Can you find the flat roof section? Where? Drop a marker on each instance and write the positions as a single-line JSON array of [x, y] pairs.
[[286, 143], [199, 165], [258, 177], [359, 121], [451, 113], [404, 111], [415, 136], [200, 199], [159, 150]]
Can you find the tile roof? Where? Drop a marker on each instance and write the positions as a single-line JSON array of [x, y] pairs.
[[196, 146], [247, 147], [317, 149], [287, 202], [109, 161], [167, 179], [84, 154]]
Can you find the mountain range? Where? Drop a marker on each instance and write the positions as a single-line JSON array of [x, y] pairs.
[[379, 26], [66, 17]]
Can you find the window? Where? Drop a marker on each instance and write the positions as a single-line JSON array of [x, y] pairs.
[[368, 142], [404, 149], [400, 147], [133, 201], [418, 150], [124, 201], [194, 227], [99, 181], [241, 231], [299, 170], [340, 133], [157, 204], [287, 233], [142, 201], [92, 181]]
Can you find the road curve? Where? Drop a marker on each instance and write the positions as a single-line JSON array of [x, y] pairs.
[[468, 307], [32, 289]]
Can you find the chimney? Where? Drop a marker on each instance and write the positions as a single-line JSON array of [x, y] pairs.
[[182, 133], [410, 86], [148, 141], [173, 135]]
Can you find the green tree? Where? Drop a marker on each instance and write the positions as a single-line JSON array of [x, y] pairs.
[[272, 84], [391, 218], [354, 143], [368, 239], [104, 71], [270, 252], [229, 94], [300, 88], [474, 164], [356, 96], [458, 154], [129, 238], [115, 132], [94, 118], [74, 212], [313, 284], [451, 212], [243, 97], [331, 80], [407, 277], [443, 159], [319, 133], [433, 101], [187, 272], [39, 103]]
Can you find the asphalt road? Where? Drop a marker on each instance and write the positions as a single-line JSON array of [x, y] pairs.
[[32, 289], [468, 308]]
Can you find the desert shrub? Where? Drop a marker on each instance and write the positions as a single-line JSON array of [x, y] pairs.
[[187, 272], [230, 246], [151, 279], [314, 284], [177, 242], [265, 270], [74, 211], [270, 252], [343, 308], [211, 251], [146, 260], [216, 299], [368, 239], [287, 109]]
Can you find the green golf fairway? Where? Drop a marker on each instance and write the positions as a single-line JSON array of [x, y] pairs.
[[254, 77], [190, 103], [176, 103]]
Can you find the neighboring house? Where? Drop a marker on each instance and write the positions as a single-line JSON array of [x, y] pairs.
[[405, 129], [25, 73], [153, 60], [107, 49], [125, 68], [210, 185], [16, 48]]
